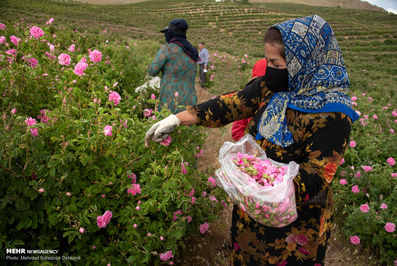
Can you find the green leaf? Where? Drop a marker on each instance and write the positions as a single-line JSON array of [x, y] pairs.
[[178, 234], [22, 204], [18, 242], [119, 170]]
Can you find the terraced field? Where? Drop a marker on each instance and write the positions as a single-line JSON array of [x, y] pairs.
[[368, 38]]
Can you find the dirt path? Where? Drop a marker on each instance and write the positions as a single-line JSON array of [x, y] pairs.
[[209, 249]]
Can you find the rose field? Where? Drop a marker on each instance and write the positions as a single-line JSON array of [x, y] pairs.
[[76, 177]]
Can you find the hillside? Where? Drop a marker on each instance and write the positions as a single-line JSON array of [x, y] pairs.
[[355, 4]]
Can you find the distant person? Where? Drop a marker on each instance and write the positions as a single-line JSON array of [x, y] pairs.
[[203, 63], [238, 127], [177, 61]]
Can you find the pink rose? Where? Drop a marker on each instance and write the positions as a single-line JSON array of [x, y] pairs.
[[2, 39], [100, 222], [103, 221], [2, 26], [166, 255], [36, 32], [81, 230], [204, 227], [153, 97], [167, 141], [33, 62], [343, 182], [147, 112], [135, 189], [114, 97], [13, 111], [358, 174], [79, 68], [183, 168], [64, 59], [12, 52], [383, 206], [355, 240], [212, 181], [390, 227], [342, 161], [52, 47], [352, 144], [50, 56], [193, 200], [367, 168], [174, 216], [95, 56], [34, 131], [71, 48], [391, 161], [50, 21], [364, 208], [108, 130], [355, 189], [41, 190], [30, 121], [15, 41]]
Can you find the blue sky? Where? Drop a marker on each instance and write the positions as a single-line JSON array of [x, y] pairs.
[[389, 5]]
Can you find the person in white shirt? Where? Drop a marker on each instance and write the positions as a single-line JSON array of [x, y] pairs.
[[203, 63]]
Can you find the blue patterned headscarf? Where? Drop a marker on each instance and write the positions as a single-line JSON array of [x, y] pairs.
[[317, 78]]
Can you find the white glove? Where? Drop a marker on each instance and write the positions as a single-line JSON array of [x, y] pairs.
[[205, 70], [159, 131]]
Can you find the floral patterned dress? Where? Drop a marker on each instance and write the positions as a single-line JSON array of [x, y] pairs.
[[179, 72], [320, 140]]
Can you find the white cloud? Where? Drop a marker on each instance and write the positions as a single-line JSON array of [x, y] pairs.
[[391, 10]]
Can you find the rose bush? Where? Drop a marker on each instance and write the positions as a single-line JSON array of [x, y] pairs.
[[75, 175], [366, 194]]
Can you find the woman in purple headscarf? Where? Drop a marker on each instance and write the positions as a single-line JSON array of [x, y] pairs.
[[301, 112]]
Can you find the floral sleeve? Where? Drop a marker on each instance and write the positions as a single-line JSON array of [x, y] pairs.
[[158, 63], [232, 106], [324, 145]]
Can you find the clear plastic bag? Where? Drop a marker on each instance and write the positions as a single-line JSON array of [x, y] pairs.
[[268, 205]]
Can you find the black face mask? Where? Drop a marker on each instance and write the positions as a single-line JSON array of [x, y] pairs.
[[276, 79]]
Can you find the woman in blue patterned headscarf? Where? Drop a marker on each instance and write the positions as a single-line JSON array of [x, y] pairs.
[[301, 112], [317, 77]]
